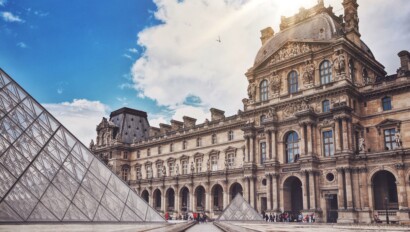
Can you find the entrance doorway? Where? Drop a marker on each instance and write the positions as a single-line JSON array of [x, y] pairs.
[[331, 208], [293, 195], [264, 204]]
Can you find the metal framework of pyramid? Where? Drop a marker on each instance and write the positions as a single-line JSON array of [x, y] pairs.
[[239, 210], [47, 175]]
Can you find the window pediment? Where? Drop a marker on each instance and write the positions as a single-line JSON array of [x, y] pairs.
[[184, 157], [198, 155], [388, 123], [158, 161]]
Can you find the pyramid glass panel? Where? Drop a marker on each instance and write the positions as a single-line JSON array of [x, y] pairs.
[[239, 210], [47, 175]]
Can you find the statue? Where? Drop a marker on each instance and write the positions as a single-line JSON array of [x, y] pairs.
[[208, 165], [177, 169], [397, 138], [252, 91], [308, 75], [164, 171], [192, 167], [92, 144], [276, 83], [365, 75], [272, 113], [362, 144], [340, 64]]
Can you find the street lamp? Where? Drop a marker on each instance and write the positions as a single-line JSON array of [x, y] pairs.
[[387, 209]]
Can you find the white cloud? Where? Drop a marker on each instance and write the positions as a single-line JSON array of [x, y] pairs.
[[21, 45], [3, 2], [127, 56], [80, 116], [182, 58], [9, 17], [133, 50]]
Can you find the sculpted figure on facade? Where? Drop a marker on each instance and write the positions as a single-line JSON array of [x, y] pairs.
[[276, 83], [340, 64], [208, 165], [272, 113], [252, 91], [192, 167], [352, 19], [362, 145], [164, 170], [308, 74], [92, 144], [176, 169], [289, 51], [366, 77], [397, 138]]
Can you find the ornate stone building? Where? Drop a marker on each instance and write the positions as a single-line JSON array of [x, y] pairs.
[[324, 130]]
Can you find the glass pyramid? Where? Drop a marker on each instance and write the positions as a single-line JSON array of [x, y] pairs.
[[239, 210], [47, 175]]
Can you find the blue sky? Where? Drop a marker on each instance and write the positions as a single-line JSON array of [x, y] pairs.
[[83, 59]]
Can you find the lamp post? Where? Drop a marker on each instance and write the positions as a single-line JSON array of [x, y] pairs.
[[387, 209]]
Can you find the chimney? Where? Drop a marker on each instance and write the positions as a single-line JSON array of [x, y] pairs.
[[164, 128], [189, 122], [153, 131], [266, 34], [404, 60], [351, 20], [176, 124], [217, 114]]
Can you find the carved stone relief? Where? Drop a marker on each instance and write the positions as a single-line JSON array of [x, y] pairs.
[[289, 51], [308, 74], [276, 84], [293, 108]]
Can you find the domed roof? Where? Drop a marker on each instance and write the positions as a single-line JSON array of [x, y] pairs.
[[320, 27]]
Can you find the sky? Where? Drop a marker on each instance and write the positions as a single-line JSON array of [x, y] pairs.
[[84, 59]]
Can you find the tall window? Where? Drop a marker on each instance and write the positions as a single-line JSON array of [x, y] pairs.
[[263, 90], [263, 152], [171, 168], [386, 102], [198, 164], [389, 141], [293, 82], [328, 143], [352, 71], [231, 160], [214, 163], [159, 150], [125, 155], [149, 171], [326, 106], [214, 139], [124, 174], [230, 135], [292, 146], [138, 154], [159, 170], [138, 172], [325, 72], [148, 152], [171, 147], [198, 142], [184, 165], [184, 144], [263, 118]]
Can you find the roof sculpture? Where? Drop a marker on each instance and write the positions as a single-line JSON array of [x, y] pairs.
[[48, 175], [239, 210]]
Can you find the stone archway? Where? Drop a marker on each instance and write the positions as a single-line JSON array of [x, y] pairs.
[[293, 196], [200, 198], [217, 197], [184, 199], [235, 189], [157, 199], [145, 195], [170, 198], [384, 190]]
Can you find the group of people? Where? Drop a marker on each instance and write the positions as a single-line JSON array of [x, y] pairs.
[[288, 217], [199, 217]]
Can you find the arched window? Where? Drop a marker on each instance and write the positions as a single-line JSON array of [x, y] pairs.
[[124, 173], [386, 103], [352, 71], [263, 90], [293, 82], [325, 72], [214, 139], [230, 135], [325, 106], [292, 146]]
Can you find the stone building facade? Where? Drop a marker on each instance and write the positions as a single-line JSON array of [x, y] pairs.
[[324, 130]]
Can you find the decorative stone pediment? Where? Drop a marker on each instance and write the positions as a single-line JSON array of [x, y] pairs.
[[198, 155], [230, 149], [184, 157], [388, 123], [159, 161], [292, 108], [214, 152], [170, 160]]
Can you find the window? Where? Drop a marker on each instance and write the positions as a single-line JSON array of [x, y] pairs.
[[214, 139], [389, 141], [325, 72], [263, 118], [149, 171], [171, 168], [184, 167], [328, 147], [159, 150], [263, 90], [198, 164], [125, 155], [293, 82], [263, 152], [292, 147], [148, 152], [159, 170], [198, 142], [230, 135], [214, 163], [171, 147], [138, 154], [184, 144], [386, 102], [124, 174], [231, 160], [352, 71], [326, 106], [138, 173]]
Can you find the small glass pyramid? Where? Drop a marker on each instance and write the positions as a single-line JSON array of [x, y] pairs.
[[47, 175], [239, 210]]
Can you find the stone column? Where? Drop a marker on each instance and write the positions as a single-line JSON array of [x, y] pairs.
[[246, 192], [357, 191], [309, 139], [226, 196], [268, 145], [151, 199], [302, 143], [163, 206], [252, 191], [269, 191], [247, 154], [337, 135], [177, 201], [312, 190], [364, 188], [345, 135], [340, 186], [208, 199], [274, 150], [192, 205], [349, 192], [252, 149], [350, 134], [305, 191], [401, 187], [275, 195]]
